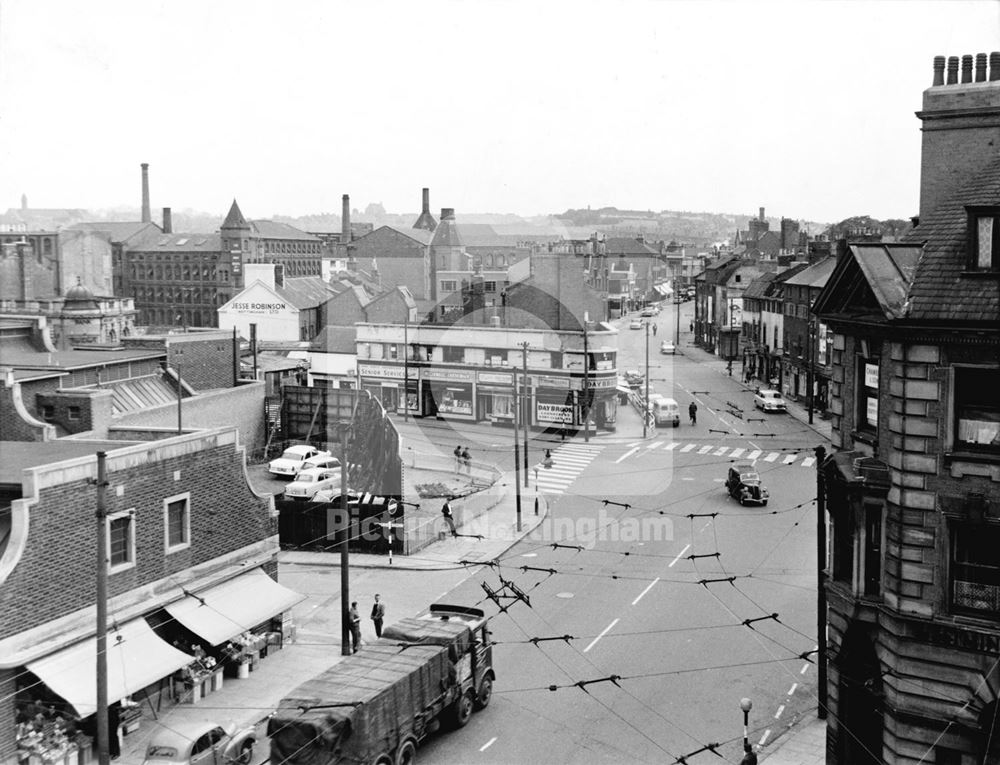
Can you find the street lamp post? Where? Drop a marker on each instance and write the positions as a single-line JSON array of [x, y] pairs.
[[526, 403], [585, 409], [749, 758], [517, 455], [645, 413], [406, 368]]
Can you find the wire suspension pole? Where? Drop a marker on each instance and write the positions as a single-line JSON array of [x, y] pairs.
[[526, 412], [821, 583], [103, 734], [345, 527], [517, 455]]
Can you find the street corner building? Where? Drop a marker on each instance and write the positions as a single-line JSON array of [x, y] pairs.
[[191, 570], [913, 585]]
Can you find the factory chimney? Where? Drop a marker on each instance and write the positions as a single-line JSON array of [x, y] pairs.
[[146, 217]]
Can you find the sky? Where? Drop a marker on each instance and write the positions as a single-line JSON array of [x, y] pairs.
[[805, 108]]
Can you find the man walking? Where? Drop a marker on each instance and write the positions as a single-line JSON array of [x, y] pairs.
[[458, 459], [446, 512], [354, 620], [467, 459], [378, 614], [693, 413]]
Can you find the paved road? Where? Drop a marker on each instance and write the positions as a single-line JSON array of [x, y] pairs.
[[626, 589]]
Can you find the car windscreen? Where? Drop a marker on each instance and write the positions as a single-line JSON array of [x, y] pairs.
[[290, 455], [749, 477], [300, 478]]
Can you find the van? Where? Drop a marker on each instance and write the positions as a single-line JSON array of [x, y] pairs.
[[665, 411]]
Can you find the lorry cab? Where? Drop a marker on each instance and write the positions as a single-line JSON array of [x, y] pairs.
[[665, 411], [481, 656]]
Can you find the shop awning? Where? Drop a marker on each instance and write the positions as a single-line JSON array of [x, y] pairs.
[[137, 657], [226, 610]]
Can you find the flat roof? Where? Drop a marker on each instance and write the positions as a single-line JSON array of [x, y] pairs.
[[60, 360], [16, 456]]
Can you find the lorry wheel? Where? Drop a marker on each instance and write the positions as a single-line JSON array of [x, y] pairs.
[[461, 710], [383, 759], [485, 693], [407, 753], [246, 753]]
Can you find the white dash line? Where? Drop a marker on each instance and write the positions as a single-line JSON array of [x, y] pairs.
[[646, 590], [686, 548], [488, 744], [603, 633], [792, 689], [764, 737], [627, 454], [780, 712], [805, 668]]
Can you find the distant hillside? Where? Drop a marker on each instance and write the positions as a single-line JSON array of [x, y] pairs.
[[892, 229]]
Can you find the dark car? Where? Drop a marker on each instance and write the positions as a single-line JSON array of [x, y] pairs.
[[744, 484]]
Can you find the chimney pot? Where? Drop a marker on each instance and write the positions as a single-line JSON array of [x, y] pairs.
[[967, 67], [938, 71], [146, 215], [427, 201], [980, 67], [952, 70], [995, 66], [168, 221]]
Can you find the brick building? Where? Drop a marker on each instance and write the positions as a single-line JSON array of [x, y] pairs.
[[913, 581], [805, 346]]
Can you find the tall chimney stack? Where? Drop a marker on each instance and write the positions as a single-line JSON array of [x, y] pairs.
[[426, 209], [146, 216], [425, 220], [345, 220], [168, 221], [761, 213]]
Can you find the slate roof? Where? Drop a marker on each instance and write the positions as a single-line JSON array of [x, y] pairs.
[[870, 283], [446, 234], [623, 245], [417, 234], [815, 275], [235, 219], [305, 291], [159, 242], [271, 229], [939, 291], [116, 231], [758, 287]]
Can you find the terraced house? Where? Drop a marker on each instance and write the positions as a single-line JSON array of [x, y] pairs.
[[914, 496]]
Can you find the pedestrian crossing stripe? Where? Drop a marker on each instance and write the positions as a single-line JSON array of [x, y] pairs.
[[568, 461], [789, 459], [771, 457], [808, 461], [655, 444], [673, 445], [688, 448], [736, 453], [705, 450], [754, 454], [725, 451], [720, 451]]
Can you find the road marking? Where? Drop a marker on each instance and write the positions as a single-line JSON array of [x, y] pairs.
[[646, 590], [771, 457], [718, 480], [736, 453], [635, 443], [789, 459], [720, 451], [627, 454], [688, 448], [792, 689], [655, 444], [673, 445], [487, 745], [754, 454], [780, 711], [705, 450], [686, 548], [764, 737], [603, 633], [805, 668], [808, 462]]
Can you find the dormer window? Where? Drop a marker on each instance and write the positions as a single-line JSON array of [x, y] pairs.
[[984, 238]]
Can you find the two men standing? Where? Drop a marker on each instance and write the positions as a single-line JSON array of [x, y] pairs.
[[354, 621]]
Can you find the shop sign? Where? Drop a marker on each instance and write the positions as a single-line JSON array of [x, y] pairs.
[[871, 413], [602, 382], [258, 308], [446, 374], [552, 382], [373, 370], [553, 413], [871, 376], [496, 379]]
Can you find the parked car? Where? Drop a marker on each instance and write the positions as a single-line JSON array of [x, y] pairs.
[[312, 480], [744, 484], [667, 347], [635, 324], [291, 460], [320, 461], [665, 411], [648, 312], [769, 401], [634, 378], [200, 743]]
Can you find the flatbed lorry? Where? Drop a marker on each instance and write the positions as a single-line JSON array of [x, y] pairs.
[[377, 705]]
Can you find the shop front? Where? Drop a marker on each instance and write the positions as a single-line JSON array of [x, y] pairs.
[[603, 402], [386, 384], [495, 397], [448, 393]]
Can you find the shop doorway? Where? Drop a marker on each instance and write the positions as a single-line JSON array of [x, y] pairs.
[[859, 739]]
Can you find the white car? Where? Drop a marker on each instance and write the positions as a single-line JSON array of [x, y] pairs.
[[312, 480], [769, 401], [635, 324], [291, 460], [321, 460], [667, 347]]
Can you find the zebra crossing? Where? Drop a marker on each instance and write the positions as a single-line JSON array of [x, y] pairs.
[[568, 461], [802, 459]]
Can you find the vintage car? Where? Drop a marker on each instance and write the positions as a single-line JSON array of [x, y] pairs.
[[200, 743], [634, 378], [769, 401], [321, 460], [667, 348], [635, 324], [744, 484], [312, 480], [292, 460]]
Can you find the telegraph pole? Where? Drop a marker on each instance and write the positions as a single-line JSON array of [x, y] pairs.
[[585, 408], [677, 329], [517, 455], [103, 751], [345, 518], [406, 368], [820, 581], [180, 396], [645, 412], [809, 367], [526, 401]]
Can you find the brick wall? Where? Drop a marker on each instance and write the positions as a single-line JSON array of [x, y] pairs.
[[56, 574], [344, 310], [205, 363], [77, 411], [13, 425]]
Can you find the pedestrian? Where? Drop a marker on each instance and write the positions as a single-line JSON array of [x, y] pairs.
[[654, 330], [378, 614], [446, 512], [354, 621], [467, 459], [693, 413], [691, 327], [458, 459]]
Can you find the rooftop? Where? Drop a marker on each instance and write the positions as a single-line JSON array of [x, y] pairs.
[[16, 456]]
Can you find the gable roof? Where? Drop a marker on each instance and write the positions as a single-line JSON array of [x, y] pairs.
[[871, 280], [272, 229], [624, 245], [759, 286], [116, 231], [939, 290], [423, 236], [235, 219], [815, 275], [305, 291]]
